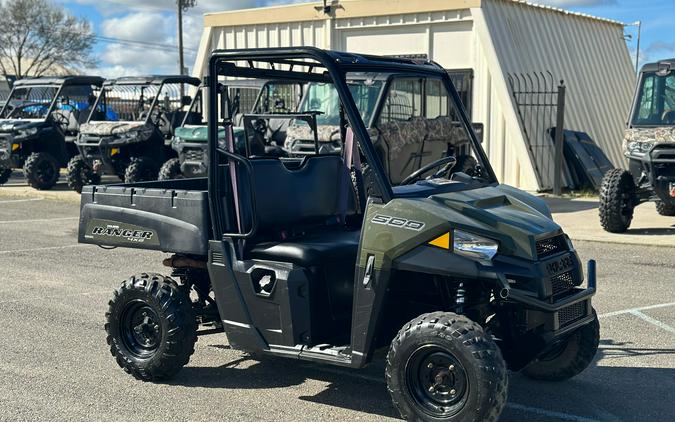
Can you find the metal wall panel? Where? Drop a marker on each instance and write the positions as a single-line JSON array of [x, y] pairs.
[[590, 55]]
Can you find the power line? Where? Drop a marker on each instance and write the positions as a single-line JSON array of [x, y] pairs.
[[121, 41]]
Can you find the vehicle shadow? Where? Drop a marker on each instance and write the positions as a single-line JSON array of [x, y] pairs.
[[604, 392], [567, 205], [660, 231]]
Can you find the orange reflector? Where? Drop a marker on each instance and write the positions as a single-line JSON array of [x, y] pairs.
[[442, 241]]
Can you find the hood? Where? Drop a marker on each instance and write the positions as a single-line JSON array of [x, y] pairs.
[[111, 128], [10, 125], [512, 217], [191, 133], [648, 135]]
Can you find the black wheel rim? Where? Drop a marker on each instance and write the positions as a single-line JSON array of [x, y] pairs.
[[46, 172], [141, 329], [437, 381], [626, 207]]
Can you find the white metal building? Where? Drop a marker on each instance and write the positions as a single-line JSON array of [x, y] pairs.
[[489, 45]]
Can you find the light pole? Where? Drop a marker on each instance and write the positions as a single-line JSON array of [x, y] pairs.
[[629, 37], [183, 5]]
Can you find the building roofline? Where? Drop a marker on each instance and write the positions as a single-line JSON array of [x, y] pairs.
[[303, 12]]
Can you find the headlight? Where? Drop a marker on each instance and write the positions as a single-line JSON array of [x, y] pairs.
[[28, 132], [474, 246], [637, 147]]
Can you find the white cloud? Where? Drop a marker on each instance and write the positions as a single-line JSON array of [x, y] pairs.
[[140, 26]]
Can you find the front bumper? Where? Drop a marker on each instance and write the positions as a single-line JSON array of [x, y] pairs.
[[194, 158], [97, 152], [658, 166]]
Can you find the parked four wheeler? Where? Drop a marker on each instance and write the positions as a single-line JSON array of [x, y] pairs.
[[190, 140], [129, 132], [39, 123], [649, 145], [457, 276]]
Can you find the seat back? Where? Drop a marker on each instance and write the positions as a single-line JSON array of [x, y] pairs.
[[288, 198], [403, 143]]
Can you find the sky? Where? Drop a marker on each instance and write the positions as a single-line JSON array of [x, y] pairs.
[[154, 21]]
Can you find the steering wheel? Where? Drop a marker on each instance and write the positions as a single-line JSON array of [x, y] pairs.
[[447, 162], [60, 119], [668, 117]]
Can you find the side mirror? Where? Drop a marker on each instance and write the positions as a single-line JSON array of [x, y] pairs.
[[478, 129]]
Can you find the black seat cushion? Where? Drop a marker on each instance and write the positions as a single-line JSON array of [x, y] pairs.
[[334, 247]]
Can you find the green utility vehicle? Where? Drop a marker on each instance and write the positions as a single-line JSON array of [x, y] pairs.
[[649, 146], [39, 123], [129, 132], [190, 141], [457, 276]]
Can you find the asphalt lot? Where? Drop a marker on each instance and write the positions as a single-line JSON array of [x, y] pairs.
[[56, 366]]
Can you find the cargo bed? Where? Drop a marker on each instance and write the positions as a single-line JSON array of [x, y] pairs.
[[170, 216]]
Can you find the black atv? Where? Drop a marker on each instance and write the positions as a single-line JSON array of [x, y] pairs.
[[190, 141], [39, 123], [649, 145], [455, 276], [129, 132]]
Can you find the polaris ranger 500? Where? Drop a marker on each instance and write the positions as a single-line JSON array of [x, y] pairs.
[[39, 122], [649, 145], [130, 129], [190, 140], [457, 276]]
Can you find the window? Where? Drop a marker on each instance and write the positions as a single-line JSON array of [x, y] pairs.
[[656, 101], [404, 100], [463, 81], [437, 100]]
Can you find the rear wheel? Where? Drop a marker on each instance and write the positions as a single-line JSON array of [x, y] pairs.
[[151, 327], [171, 170], [80, 174], [665, 209], [569, 358], [617, 201], [5, 174], [41, 171], [141, 169], [443, 367]]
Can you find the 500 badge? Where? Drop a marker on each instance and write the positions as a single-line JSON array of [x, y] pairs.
[[400, 223]]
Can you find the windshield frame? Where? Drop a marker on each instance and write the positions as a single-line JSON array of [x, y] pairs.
[[52, 104], [637, 99], [102, 93]]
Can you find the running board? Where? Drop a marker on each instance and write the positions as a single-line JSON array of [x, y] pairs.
[[323, 353]]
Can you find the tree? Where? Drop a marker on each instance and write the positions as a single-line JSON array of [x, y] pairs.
[[37, 35]]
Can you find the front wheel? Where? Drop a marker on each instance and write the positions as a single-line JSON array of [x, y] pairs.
[[5, 174], [664, 209], [444, 367], [41, 171], [170, 170], [617, 201], [141, 169], [570, 358], [151, 327], [80, 174]]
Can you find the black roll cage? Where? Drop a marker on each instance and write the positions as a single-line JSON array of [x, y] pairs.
[[336, 65], [145, 81]]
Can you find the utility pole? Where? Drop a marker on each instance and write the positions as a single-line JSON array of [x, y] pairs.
[[183, 5], [637, 54]]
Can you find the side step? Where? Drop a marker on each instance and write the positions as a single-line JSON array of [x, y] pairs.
[[324, 353]]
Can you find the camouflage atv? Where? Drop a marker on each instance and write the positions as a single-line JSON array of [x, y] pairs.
[[649, 145]]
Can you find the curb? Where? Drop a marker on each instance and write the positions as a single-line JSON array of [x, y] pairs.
[[27, 192]]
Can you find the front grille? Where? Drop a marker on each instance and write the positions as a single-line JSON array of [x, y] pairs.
[[562, 283], [194, 155], [551, 246], [572, 313]]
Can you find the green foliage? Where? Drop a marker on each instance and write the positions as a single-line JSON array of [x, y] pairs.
[[37, 36]]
